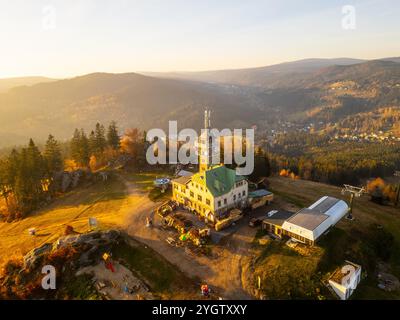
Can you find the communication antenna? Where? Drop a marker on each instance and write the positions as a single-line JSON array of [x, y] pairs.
[[396, 202], [354, 192], [207, 119]]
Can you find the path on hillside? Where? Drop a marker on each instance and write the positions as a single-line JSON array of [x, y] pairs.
[[222, 271]]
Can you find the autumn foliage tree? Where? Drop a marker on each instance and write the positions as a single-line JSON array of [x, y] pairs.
[[380, 191]]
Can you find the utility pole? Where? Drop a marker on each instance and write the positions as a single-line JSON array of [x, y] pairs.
[[354, 192], [396, 201]]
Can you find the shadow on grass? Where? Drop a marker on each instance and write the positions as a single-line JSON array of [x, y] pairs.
[[162, 277]]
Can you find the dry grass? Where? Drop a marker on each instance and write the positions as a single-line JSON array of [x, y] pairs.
[[345, 236], [304, 193], [106, 202]]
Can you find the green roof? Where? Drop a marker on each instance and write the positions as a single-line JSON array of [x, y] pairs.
[[240, 178], [220, 180], [259, 193]]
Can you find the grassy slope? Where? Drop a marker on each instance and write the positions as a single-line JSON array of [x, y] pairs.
[[164, 279], [145, 182], [106, 201], [333, 247], [103, 201]]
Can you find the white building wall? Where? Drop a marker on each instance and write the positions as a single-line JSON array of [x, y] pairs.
[[322, 228], [339, 289], [337, 212], [205, 194], [345, 289], [290, 227], [230, 197]]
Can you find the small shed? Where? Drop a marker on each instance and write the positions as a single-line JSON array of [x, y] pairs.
[[184, 173], [345, 280], [274, 221], [260, 198]]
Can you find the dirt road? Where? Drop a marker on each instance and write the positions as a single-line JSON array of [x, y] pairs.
[[224, 271]]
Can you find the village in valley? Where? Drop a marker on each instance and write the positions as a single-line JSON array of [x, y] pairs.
[[182, 231]]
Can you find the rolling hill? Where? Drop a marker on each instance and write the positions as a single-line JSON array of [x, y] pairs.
[[267, 77], [280, 75], [313, 90], [9, 83], [130, 99]]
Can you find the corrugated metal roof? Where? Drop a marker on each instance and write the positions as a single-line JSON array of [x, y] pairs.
[[239, 178], [182, 180], [259, 193], [278, 218], [184, 173], [307, 218], [324, 205]]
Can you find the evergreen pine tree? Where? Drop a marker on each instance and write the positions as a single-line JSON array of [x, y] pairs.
[[74, 146], [52, 156], [84, 152], [36, 169], [92, 143], [101, 141], [113, 139]]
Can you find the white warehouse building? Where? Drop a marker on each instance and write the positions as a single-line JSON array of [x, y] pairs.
[[308, 224]]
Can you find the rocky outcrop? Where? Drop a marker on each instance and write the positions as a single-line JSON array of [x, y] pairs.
[[34, 255], [67, 180], [92, 242], [94, 238]]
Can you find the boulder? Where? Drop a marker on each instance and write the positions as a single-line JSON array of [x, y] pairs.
[[94, 238], [65, 241], [32, 256]]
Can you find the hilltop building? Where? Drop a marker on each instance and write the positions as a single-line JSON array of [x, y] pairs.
[[214, 189], [308, 224]]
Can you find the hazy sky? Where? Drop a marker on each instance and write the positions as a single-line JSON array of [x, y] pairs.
[[63, 38]]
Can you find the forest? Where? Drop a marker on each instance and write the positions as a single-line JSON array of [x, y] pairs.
[[28, 175], [320, 158]]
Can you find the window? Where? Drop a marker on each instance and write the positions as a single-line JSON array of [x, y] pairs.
[[219, 203], [244, 193], [234, 197], [175, 186], [199, 197], [225, 201], [239, 195], [192, 194], [208, 202]]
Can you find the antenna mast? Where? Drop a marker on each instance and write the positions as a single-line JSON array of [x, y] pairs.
[[207, 119]]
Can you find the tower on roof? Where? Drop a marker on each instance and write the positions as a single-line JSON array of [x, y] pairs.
[[205, 144]]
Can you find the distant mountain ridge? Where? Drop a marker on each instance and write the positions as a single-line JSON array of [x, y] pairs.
[[131, 99], [269, 76], [311, 90], [9, 83]]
